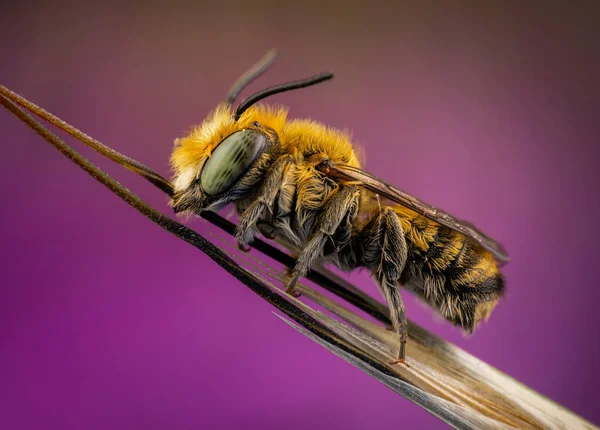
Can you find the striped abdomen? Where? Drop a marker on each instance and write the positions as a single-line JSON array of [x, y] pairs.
[[451, 271]]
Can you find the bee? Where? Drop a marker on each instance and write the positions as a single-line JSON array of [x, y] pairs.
[[300, 182]]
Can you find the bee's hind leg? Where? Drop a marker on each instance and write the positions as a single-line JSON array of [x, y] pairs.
[[392, 295], [385, 249], [338, 209], [264, 200]]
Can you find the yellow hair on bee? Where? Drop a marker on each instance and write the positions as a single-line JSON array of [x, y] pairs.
[[484, 268], [312, 137], [195, 148], [418, 229], [455, 243], [297, 137], [479, 264], [484, 310], [311, 193]]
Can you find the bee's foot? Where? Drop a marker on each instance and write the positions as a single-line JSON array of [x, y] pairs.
[[399, 361], [293, 292], [389, 327], [244, 248]]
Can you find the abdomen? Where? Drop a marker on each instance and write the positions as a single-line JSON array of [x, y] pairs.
[[449, 270]]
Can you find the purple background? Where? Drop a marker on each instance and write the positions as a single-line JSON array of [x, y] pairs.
[[108, 322]]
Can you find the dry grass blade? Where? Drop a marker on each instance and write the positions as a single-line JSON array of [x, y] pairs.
[[446, 381]]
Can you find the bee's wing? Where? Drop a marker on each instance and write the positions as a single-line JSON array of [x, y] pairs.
[[384, 189]]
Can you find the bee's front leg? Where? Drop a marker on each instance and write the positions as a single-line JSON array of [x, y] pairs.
[[334, 212], [264, 199]]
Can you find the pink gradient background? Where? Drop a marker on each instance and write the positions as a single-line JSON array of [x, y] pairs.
[[106, 321]]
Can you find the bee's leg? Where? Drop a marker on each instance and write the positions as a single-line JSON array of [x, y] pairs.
[[384, 247], [264, 199], [391, 292], [334, 212]]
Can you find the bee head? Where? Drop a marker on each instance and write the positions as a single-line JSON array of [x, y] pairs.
[[220, 161], [219, 179]]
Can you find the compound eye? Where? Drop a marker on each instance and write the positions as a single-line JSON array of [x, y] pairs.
[[230, 160]]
